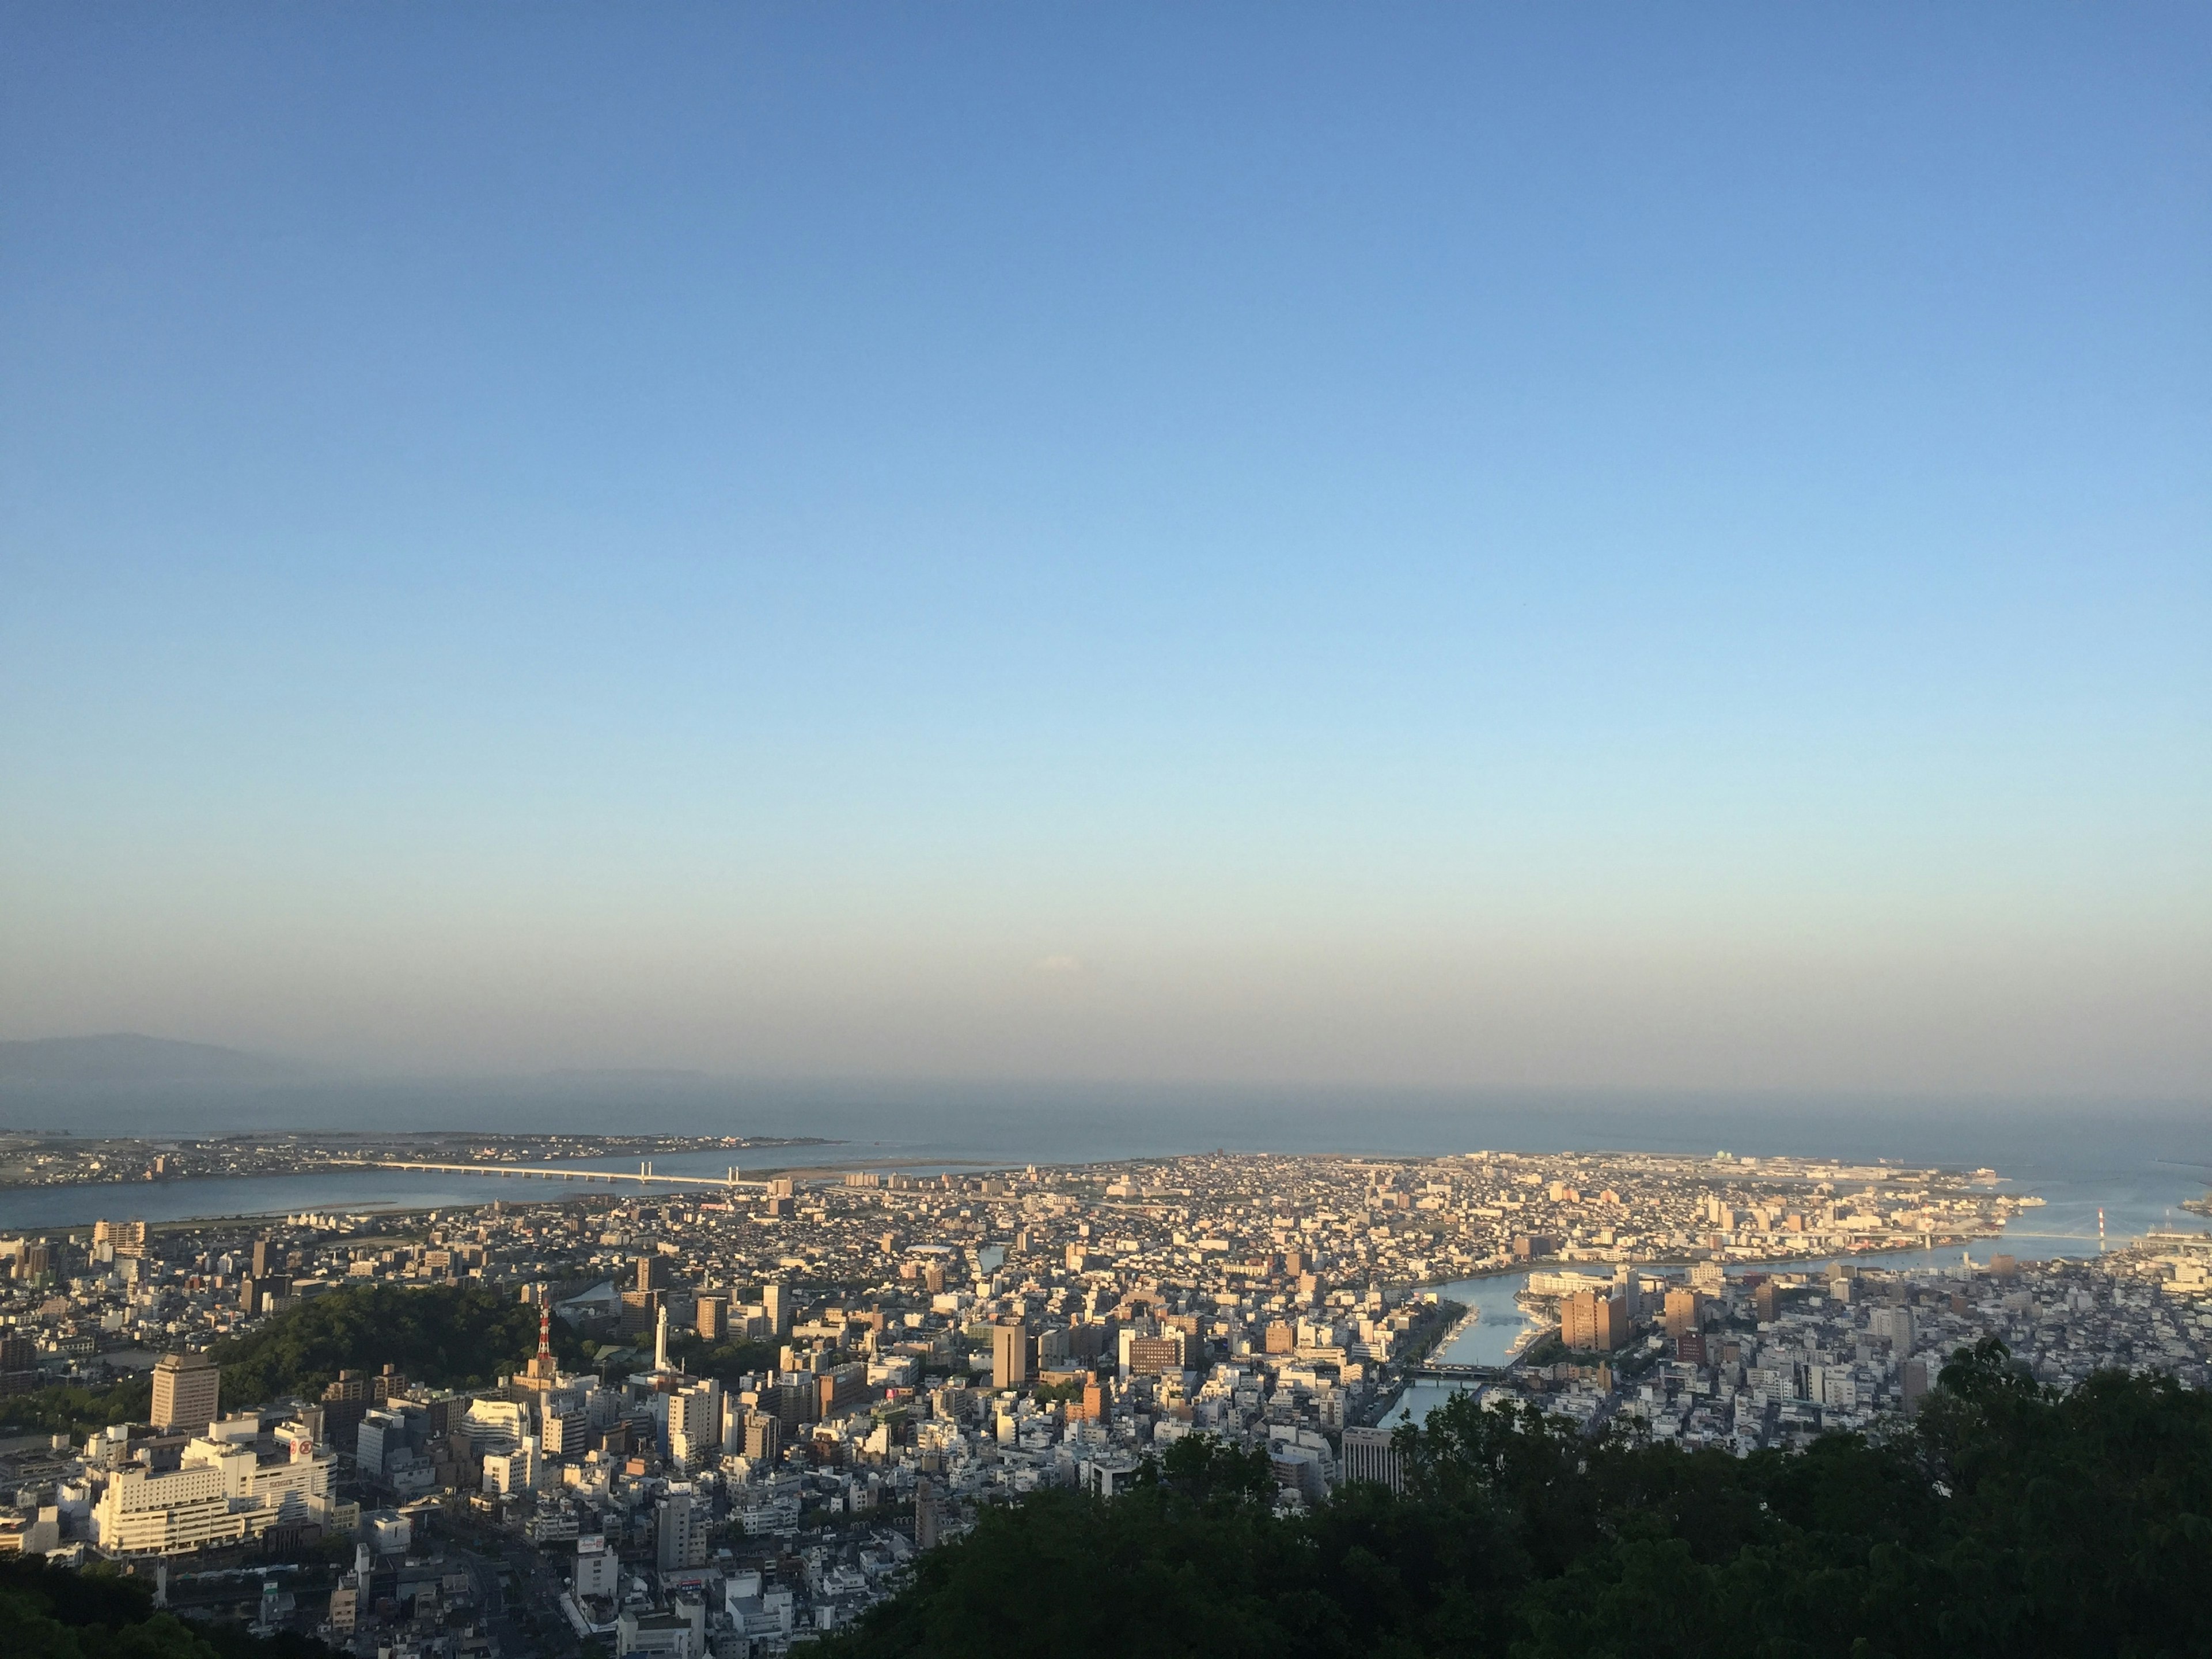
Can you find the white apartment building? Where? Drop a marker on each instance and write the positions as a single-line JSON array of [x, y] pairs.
[[224, 1492], [695, 1425]]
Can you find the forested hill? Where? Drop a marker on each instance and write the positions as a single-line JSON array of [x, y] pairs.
[[2008, 1520], [48, 1612], [447, 1335]]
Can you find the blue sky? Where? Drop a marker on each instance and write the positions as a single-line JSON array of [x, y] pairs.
[[1471, 546]]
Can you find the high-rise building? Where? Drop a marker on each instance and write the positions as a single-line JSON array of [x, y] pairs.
[[709, 1314], [1155, 1356], [797, 1399], [680, 1535], [267, 1259], [695, 1425], [1368, 1455], [641, 1310], [187, 1391], [763, 1437], [1684, 1312], [381, 1433], [652, 1273], [565, 1428], [1098, 1401], [1591, 1319], [775, 1302], [1912, 1385], [1009, 1355], [123, 1235], [925, 1516], [348, 1400], [254, 1295], [839, 1387], [598, 1568]]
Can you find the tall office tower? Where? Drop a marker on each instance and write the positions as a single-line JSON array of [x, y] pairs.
[[708, 1314], [253, 1294], [775, 1302], [681, 1534], [1686, 1312], [695, 1425], [1630, 1289], [1576, 1319], [266, 1260], [381, 1435], [1912, 1385], [652, 1273], [18, 1352], [1590, 1319], [1614, 1323], [1010, 1355], [1154, 1356], [346, 1400], [187, 1392], [639, 1309], [763, 1437], [925, 1516], [1894, 1324], [1368, 1457]]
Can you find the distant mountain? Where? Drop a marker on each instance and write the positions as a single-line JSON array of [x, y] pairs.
[[123, 1059]]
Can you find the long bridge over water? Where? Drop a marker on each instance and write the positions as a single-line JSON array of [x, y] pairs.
[[644, 1175]]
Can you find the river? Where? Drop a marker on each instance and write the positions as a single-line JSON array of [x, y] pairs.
[[2134, 1202]]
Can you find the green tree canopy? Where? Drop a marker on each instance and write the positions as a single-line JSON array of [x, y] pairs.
[[447, 1335], [2009, 1520]]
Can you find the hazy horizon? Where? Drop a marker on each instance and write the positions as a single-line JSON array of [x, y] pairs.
[[1443, 548]]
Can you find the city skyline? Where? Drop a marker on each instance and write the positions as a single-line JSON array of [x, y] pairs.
[[1445, 549]]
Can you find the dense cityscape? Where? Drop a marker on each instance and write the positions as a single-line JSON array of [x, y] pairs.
[[748, 1409]]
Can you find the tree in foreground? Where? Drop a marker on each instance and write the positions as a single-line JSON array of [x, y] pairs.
[[2008, 1519]]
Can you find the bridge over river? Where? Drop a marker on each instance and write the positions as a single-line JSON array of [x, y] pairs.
[[645, 1174], [1437, 1372]]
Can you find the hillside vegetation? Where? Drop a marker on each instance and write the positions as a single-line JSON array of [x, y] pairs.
[[455, 1336], [53, 1612], [447, 1335], [65, 1409], [2007, 1520]]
